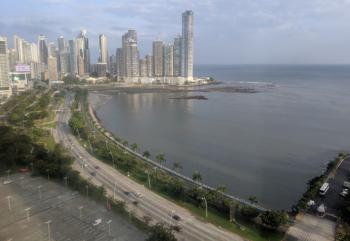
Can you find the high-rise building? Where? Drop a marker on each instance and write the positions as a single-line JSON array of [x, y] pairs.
[[18, 45], [119, 63], [83, 51], [61, 44], [34, 52], [52, 50], [157, 58], [177, 56], [64, 66], [5, 90], [112, 66], [103, 49], [168, 57], [73, 58], [12, 59], [52, 68], [187, 44], [130, 54], [43, 50], [149, 65], [143, 67]]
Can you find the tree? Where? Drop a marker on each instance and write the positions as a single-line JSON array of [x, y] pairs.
[[146, 154], [177, 166], [273, 219], [253, 199], [161, 233], [196, 176], [160, 158], [221, 189], [125, 143], [134, 146], [249, 213]]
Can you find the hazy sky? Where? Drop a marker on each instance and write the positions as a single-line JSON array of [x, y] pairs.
[[226, 31]]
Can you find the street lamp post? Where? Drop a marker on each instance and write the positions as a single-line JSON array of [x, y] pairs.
[[9, 202], [28, 215], [39, 191], [8, 175], [206, 206], [48, 230], [80, 208], [87, 190], [149, 179], [66, 181], [109, 226]]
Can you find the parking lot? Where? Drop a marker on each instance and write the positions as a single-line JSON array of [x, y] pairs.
[[33, 209], [332, 200]]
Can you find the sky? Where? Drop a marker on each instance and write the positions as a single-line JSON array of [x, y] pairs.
[[225, 31]]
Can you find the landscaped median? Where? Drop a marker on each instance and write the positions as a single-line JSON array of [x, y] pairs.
[[244, 220]]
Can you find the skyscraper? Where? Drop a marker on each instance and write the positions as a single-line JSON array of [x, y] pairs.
[[143, 67], [119, 63], [4, 69], [18, 45], [64, 62], [52, 68], [149, 64], [73, 58], [61, 43], [168, 55], [130, 54], [157, 58], [43, 50], [34, 52], [83, 50], [177, 56], [187, 44], [103, 49]]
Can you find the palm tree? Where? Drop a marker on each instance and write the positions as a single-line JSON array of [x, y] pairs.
[[160, 158], [134, 147], [177, 166], [146, 154], [221, 189], [253, 199], [125, 143], [196, 176]]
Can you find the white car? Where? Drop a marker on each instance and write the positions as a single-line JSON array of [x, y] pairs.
[[97, 222], [138, 194], [344, 193]]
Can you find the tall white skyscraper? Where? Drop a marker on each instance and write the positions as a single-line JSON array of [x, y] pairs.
[[83, 52], [130, 54], [103, 42], [34, 53], [187, 44], [18, 45]]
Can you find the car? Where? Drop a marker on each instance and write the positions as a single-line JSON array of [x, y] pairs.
[[8, 182], [93, 174], [176, 217], [97, 222], [138, 194], [86, 165], [97, 167], [344, 193], [177, 228]]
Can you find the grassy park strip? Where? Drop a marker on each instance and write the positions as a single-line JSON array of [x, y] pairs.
[[243, 220]]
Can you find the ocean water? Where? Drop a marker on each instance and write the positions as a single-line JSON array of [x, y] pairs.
[[265, 144]]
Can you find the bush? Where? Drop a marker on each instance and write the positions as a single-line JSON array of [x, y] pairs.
[[249, 212], [273, 219], [161, 233]]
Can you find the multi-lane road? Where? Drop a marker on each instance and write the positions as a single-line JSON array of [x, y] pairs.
[[123, 188]]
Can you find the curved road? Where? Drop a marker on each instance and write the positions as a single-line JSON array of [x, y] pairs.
[[123, 188]]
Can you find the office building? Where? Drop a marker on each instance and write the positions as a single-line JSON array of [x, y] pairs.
[[149, 65], [61, 44], [52, 68], [143, 67], [119, 63], [187, 44], [73, 58], [130, 55], [5, 90], [177, 56], [83, 52], [168, 63], [103, 43], [157, 58], [43, 50]]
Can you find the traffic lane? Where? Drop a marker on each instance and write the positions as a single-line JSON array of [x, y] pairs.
[[332, 200]]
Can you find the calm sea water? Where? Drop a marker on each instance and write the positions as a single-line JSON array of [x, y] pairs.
[[266, 144]]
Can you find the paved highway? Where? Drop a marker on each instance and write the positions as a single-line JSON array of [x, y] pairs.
[[123, 188]]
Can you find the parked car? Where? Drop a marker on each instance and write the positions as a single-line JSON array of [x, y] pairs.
[[176, 217], [138, 194], [97, 222], [344, 193]]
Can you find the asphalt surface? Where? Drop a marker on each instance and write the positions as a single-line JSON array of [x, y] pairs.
[[152, 205], [332, 200], [59, 204]]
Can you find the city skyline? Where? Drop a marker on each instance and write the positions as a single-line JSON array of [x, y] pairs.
[[256, 32]]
